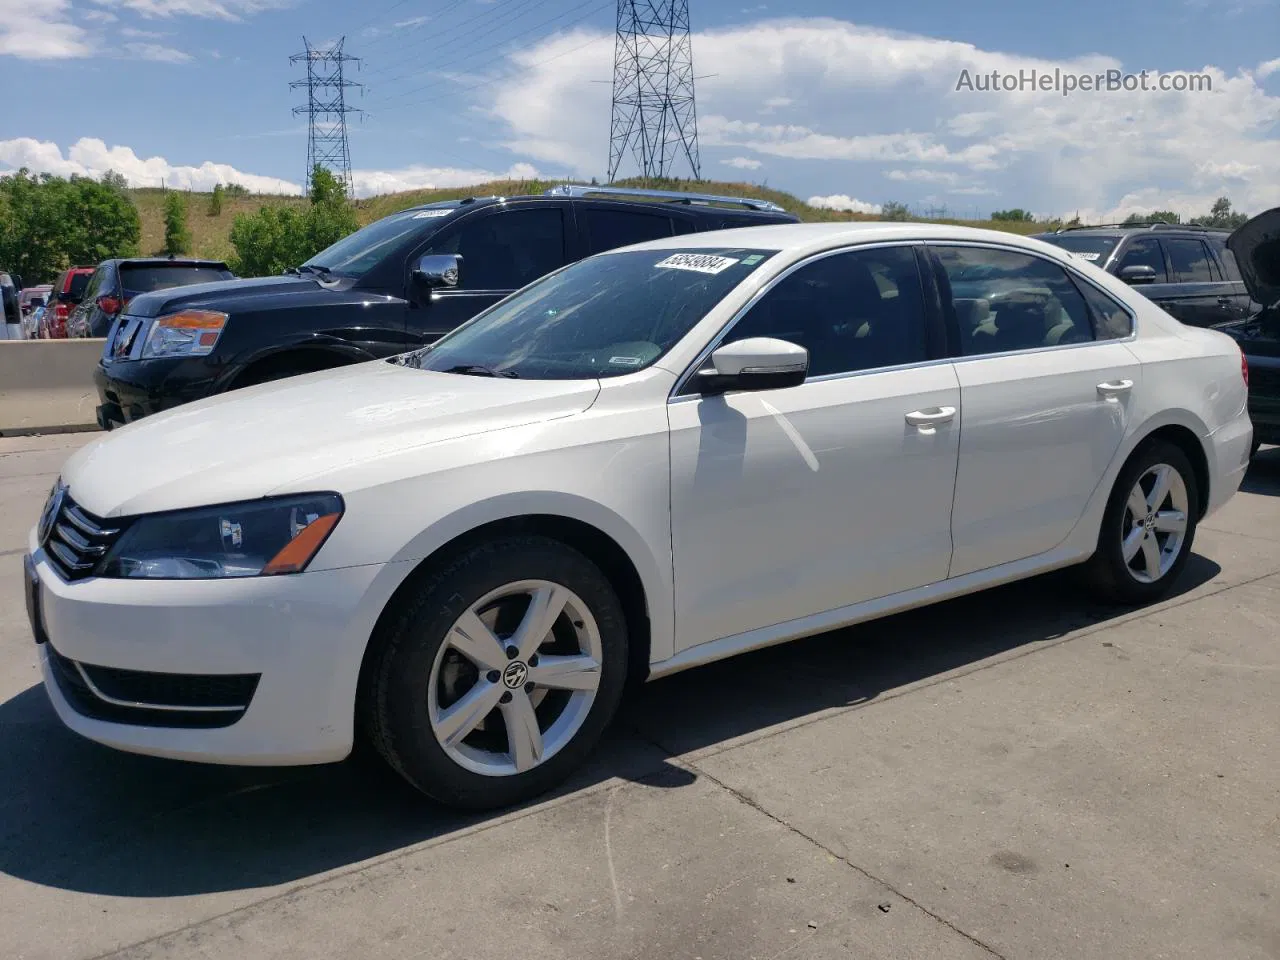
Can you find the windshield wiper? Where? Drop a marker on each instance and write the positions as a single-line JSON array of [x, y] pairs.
[[477, 370], [313, 268]]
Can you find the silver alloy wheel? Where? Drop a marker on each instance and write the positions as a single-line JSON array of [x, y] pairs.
[[515, 678], [1154, 526]]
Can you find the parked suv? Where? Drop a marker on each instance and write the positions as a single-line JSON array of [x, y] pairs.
[[373, 293], [116, 282], [1257, 248], [1188, 271], [68, 290]]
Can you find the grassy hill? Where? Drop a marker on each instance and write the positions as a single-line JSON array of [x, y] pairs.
[[211, 234]]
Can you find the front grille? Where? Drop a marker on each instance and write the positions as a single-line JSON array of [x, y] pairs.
[[189, 701], [77, 540]]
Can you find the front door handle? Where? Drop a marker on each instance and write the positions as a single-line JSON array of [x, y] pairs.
[[1113, 390], [931, 417]]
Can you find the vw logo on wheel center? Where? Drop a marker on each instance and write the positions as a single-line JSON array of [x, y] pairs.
[[515, 674]]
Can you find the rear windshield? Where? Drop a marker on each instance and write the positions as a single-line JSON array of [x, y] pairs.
[[78, 282], [1092, 247], [140, 278]]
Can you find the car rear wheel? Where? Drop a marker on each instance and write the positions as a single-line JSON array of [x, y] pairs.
[[495, 676], [1148, 527]]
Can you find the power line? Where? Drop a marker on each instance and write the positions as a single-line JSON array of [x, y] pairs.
[[654, 112], [598, 8], [392, 35], [326, 109]]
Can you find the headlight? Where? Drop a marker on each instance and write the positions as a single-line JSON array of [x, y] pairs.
[[250, 539], [191, 333]]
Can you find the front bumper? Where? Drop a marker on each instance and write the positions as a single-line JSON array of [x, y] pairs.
[[289, 647], [129, 390]]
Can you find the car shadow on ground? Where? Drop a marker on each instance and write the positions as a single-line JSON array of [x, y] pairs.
[[1264, 473], [78, 816]]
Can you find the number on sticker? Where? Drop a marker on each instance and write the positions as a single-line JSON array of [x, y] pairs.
[[697, 262]]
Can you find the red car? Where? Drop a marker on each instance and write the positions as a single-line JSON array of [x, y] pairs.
[[68, 291]]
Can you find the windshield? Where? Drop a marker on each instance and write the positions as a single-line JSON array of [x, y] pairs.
[[1092, 247], [607, 316], [356, 254]]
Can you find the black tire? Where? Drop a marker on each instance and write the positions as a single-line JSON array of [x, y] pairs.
[[393, 703], [1106, 571]]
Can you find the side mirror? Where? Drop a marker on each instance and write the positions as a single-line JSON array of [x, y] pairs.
[[1138, 274], [439, 270], [757, 363]]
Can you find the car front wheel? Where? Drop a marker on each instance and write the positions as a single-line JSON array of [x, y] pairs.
[[1148, 527], [493, 677]]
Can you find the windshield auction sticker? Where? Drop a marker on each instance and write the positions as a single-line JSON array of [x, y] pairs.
[[1087, 255], [697, 262]]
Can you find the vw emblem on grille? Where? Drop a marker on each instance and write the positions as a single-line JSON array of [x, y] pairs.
[[515, 674], [50, 514]]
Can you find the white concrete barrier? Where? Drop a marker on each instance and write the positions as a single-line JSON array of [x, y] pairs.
[[46, 386]]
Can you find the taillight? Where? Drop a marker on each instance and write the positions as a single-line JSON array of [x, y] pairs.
[[1244, 369], [108, 304], [61, 311]]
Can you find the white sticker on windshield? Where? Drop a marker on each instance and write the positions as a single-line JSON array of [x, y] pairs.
[[428, 214], [625, 361], [697, 262], [1087, 256]]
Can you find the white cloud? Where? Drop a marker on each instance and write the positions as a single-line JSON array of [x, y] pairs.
[[157, 53], [99, 16], [140, 34], [411, 22], [866, 101], [1267, 68], [92, 158], [840, 201], [208, 9], [924, 175], [742, 163], [41, 30]]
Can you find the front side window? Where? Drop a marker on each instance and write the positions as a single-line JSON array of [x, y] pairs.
[[505, 250], [1006, 301], [1144, 253], [605, 316], [1190, 261], [860, 310]]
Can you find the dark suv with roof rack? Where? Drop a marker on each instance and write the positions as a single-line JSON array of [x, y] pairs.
[[394, 285], [1187, 270]]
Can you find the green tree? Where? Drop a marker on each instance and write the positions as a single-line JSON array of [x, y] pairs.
[[177, 237], [893, 210], [215, 201], [1221, 215], [1155, 216], [1017, 214], [277, 238], [116, 181]]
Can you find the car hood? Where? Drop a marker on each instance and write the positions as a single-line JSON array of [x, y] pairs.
[[1256, 245], [248, 443], [236, 296]]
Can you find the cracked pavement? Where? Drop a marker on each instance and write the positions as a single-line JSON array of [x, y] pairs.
[[1017, 774]]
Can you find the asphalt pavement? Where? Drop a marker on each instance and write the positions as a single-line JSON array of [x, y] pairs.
[[1019, 774]]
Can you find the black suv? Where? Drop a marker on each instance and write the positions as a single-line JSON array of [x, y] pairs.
[[116, 282], [381, 291], [1188, 271]]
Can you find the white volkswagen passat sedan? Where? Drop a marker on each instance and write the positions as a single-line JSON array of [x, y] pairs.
[[648, 460]]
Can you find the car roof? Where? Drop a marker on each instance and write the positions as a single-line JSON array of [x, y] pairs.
[[167, 261], [638, 202], [803, 237]]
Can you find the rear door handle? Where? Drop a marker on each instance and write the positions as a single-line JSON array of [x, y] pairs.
[[1226, 301], [931, 417], [1112, 390]]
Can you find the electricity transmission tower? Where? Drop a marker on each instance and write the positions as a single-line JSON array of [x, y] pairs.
[[654, 116], [326, 109]]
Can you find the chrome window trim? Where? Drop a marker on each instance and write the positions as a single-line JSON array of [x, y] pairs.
[[692, 369]]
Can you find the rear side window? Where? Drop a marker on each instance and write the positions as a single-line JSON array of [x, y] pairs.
[[610, 229], [146, 278], [1144, 252], [1189, 260], [1110, 320], [1006, 301]]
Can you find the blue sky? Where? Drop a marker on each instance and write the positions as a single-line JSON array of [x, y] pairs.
[[854, 104]]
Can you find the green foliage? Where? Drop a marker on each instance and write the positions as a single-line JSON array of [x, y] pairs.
[[48, 223], [1167, 216], [1220, 215], [893, 210], [116, 181], [276, 239], [215, 201], [237, 190], [177, 236], [1017, 214]]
